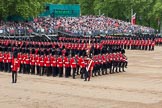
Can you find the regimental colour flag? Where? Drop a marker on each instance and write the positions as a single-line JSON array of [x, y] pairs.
[[133, 20]]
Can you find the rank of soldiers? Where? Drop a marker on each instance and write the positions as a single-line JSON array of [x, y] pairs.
[[62, 59]]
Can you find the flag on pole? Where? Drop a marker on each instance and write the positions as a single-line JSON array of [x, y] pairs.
[[158, 22], [133, 20]]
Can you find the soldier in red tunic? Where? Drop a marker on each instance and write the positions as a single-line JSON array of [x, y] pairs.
[[1, 61], [41, 64], [152, 45], [67, 65], [19, 57], [15, 66], [5, 61], [82, 66], [9, 60], [60, 65], [37, 59], [53, 60], [32, 63], [73, 64], [89, 69], [27, 63]]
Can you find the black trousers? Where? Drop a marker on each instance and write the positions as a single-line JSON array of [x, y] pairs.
[[32, 69], [60, 71], [152, 48], [1, 66], [115, 66], [54, 73], [38, 70], [82, 72], [119, 65], [77, 70], [86, 75], [67, 71], [41, 70], [98, 66], [14, 77], [94, 70], [5, 67], [47, 71], [9, 67], [74, 71], [21, 68], [104, 68], [149, 47], [27, 68]]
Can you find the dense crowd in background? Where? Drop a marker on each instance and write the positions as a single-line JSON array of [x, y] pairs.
[[84, 46], [78, 26]]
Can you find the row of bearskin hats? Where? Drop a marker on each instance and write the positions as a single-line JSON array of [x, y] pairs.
[[58, 51]]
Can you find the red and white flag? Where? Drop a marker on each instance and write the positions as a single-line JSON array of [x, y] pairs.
[[133, 20]]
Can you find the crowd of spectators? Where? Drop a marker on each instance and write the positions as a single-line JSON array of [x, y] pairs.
[[15, 28], [79, 26]]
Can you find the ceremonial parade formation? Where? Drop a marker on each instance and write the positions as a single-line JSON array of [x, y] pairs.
[[80, 53], [84, 47], [63, 58]]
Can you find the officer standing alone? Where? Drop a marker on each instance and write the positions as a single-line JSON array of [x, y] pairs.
[[15, 66]]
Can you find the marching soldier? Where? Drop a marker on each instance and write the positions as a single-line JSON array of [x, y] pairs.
[[15, 65], [19, 57], [23, 57], [1, 61], [98, 65], [108, 62], [53, 60], [67, 66], [41, 65], [32, 63], [114, 63], [9, 60], [77, 64], [89, 69], [27, 63], [104, 67], [60, 65], [82, 66], [5, 61], [124, 62], [73, 64], [37, 60], [47, 65]]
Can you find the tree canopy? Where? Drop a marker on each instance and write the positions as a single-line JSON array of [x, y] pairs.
[[148, 12]]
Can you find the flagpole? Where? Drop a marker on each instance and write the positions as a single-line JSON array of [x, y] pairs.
[[131, 14]]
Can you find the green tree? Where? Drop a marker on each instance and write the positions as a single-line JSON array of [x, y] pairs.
[[87, 7]]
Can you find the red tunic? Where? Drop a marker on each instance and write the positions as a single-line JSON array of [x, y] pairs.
[[1, 57], [23, 59], [15, 65], [73, 62], [153, 43], [41, 61], [53, 61], [19, 57], [47, 61], [5, 58], [83, 64], [27, 60], [32, 60], [66, 62], [59, 62], [37, 60], [91, 65]]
